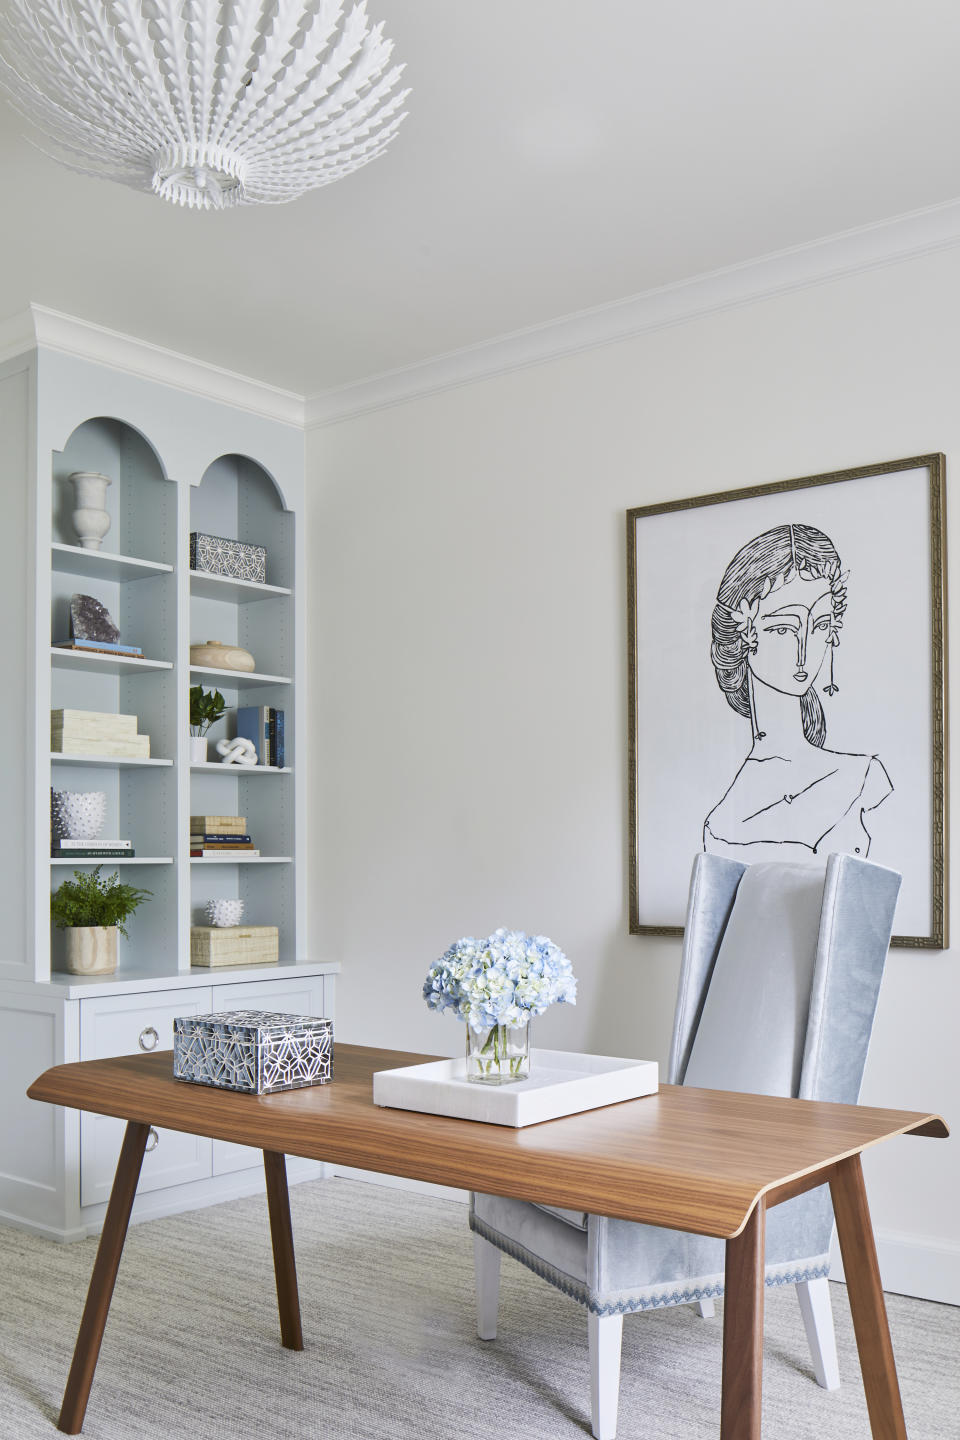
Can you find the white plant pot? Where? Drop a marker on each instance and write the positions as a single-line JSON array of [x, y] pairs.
[[91, 949], [90, 519], [198, 749], [78, 814]]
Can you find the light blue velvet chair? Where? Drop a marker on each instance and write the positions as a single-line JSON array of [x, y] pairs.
[[778, 988]]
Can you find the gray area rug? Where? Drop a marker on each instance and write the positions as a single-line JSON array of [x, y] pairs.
[[192, 1346]]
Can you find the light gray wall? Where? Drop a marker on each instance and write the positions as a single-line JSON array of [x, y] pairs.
[[468, 639]]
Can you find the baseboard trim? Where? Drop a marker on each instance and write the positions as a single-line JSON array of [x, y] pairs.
[[928, 1269], [46, 1232]]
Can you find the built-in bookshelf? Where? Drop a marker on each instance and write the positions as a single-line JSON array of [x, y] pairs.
[[178, 462], [162, 606]]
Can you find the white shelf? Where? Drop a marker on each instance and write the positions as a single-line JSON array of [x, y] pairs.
[[234, 859], [103, 663], [131, 978], [57, 757], [112, 860], [103, 564], [238, 679], [225, 587], [212, 767]]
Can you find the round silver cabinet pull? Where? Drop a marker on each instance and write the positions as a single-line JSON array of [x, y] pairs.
[[149, 1039], [153, 1140]]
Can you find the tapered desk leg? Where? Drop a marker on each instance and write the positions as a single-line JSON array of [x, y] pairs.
[[281, 1233], [867, 1307], [102, 1280], [743, 1331]]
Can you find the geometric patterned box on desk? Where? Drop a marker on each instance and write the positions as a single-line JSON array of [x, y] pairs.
[[216, 556], [253, 1050]]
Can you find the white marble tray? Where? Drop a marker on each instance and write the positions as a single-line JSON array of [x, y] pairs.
[[560, 1083]]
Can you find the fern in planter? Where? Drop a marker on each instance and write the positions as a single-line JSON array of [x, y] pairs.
[[92, 900]]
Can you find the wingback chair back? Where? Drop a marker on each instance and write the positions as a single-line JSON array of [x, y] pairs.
[[779, 980], [780, 976]]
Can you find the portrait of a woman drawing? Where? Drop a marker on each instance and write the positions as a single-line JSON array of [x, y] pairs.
[[775, 629], [786, 684]]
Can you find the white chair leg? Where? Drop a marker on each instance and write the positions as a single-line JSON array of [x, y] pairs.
[[604, 1333], [707, 1309], [486, 1269], [814, 1297]]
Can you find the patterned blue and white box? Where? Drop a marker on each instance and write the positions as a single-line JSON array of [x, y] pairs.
[[253, 1050], [215, 555]]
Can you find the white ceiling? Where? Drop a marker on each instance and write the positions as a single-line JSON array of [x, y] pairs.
[[557, 156]]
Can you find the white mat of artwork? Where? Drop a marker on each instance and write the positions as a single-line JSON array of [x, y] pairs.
[[560, 1083]]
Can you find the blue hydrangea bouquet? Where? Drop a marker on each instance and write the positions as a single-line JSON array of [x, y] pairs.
[[495, 986]]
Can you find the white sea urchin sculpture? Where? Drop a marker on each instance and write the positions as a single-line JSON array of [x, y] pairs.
[[209, 103]]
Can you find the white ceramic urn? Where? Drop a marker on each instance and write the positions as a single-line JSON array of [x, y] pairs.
[[90, 518]]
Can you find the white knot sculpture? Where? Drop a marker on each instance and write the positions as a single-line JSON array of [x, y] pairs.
[[237, 752]]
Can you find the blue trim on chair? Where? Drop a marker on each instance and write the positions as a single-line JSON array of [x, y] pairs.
[[579, 1291]]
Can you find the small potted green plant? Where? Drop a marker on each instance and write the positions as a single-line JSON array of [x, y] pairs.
[[92, 908], [206, 707]]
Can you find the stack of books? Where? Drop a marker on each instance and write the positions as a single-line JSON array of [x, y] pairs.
[[220, 835], [97, 849], [264, 726], [105, 647], [95, 732]]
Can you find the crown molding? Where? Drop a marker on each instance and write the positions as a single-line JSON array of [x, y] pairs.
[[40, 326], [17, 336], [849, 253]]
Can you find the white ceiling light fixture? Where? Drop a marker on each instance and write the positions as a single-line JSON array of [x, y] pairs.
[[208, 103]]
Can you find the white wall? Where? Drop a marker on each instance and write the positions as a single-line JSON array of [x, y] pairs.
[[468, 642]]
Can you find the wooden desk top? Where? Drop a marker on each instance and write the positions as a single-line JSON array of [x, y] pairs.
[[690, 1159]]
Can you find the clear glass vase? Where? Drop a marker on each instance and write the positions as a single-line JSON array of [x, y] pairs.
[[499, 1055]]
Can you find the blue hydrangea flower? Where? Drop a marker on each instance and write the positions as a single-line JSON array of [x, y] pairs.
[[501, 980]]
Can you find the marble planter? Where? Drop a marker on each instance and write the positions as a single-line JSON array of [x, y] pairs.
[[91, 949]]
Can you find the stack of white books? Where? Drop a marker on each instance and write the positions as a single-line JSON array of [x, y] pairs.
[[95, 732]]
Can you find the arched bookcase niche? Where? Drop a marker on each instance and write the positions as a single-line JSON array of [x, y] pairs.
[[141, 502], [237, 499], [133, 576]]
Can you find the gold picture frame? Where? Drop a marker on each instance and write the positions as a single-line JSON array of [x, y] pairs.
[[707, 658]]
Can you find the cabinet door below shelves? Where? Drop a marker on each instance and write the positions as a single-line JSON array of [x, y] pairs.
[[123, 1025], [303, 996]]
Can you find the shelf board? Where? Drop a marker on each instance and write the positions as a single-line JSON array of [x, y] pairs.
[[225, 587], [241, 771], [238, 679], [57, 757], [103, 564], [112, 860], [103, 663], [234, 859]]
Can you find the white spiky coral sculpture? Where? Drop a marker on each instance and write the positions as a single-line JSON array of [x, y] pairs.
[[208, 103]]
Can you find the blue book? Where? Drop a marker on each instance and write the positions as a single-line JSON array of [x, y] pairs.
[[110, 646], [280, 746], [248, 727]]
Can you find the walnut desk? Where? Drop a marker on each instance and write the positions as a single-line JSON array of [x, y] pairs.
[[706, 1161]]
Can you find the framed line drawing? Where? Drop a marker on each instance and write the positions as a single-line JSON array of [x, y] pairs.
[[786, 671]]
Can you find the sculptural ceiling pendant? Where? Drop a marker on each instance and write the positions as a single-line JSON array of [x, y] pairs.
[[208, 103]]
